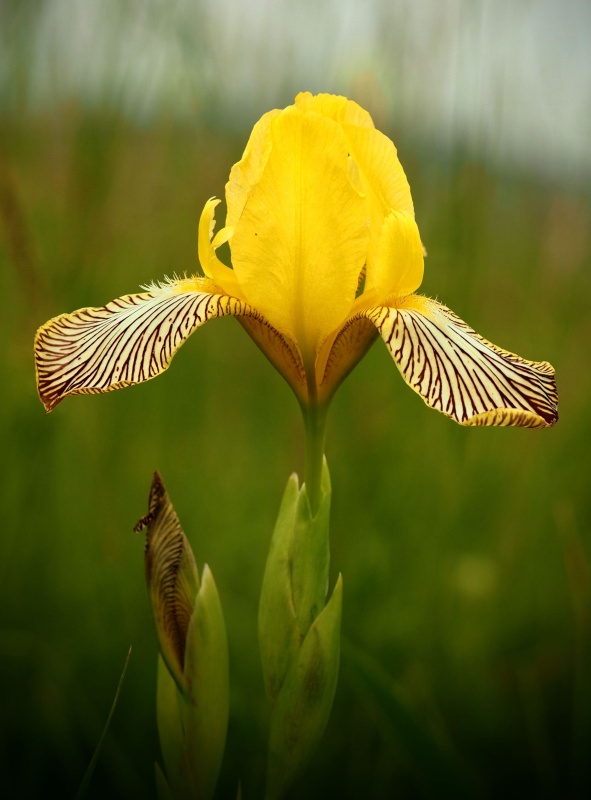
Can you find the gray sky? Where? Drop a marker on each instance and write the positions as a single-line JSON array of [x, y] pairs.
[[508, 79]]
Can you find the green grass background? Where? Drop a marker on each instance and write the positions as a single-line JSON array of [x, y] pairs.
[[465, 553]]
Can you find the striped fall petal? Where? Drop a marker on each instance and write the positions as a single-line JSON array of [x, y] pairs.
[[458, 372], [134, 338]]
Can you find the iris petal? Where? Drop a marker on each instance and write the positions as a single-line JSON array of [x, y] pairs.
[[222, 275], [398, 266], [301, 240], [377, 158], [246, 173], [336, 107], [128, 341], [461, 374]]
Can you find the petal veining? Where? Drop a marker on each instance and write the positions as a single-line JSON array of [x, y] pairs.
[[301, 241], [340, 353], [461, 374], [128, 341]]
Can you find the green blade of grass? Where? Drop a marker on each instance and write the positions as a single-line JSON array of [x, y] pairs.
[[82, 789], [442, 771]]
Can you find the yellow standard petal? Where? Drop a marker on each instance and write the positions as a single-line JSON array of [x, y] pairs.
[[335, 107], [301, 241], [373, 152], [398, 266], [398, 271], [461, 374], [246, 173], [377, 158], [385, 184]]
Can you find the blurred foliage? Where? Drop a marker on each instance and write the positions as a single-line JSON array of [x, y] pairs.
[[465, 553]]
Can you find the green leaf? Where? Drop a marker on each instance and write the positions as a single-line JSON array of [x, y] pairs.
[[169, 703], [192, 700], [205, 713], [83, 788], [310, 555], [162, 788], [295, 581], [442, 771], [303, 705], [279, 637]]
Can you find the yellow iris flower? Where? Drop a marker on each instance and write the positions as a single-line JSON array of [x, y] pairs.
[[326, 255]]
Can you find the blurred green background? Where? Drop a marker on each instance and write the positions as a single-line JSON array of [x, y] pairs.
[[465, 553]]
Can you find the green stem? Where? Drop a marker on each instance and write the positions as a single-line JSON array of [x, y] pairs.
[[315, 425]]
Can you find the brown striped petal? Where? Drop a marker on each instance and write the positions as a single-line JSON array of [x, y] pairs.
[[341, 353], [134, 338], [128, 341], [172, 577], [461, 374]]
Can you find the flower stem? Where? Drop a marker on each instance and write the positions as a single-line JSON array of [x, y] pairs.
[[315, 425]]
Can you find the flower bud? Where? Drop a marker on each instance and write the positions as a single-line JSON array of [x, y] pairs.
[[298, 633], [192, 696]]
